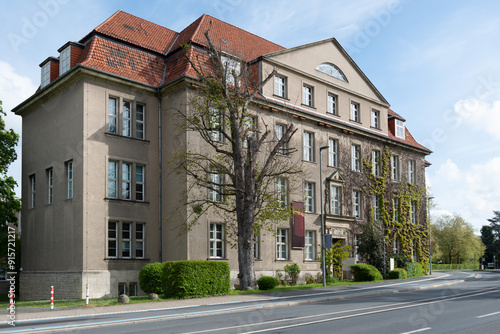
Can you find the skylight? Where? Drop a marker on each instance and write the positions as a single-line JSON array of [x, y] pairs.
[[331, 70]]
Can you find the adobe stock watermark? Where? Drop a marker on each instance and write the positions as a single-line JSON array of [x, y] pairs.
[[371, 29], [31, 24], [485, 87]]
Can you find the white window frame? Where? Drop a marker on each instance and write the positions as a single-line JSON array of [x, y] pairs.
[[335, 196], [308, 146], [309, 246], [50, 185], [69, 174], [282, 191], [356, 204], [356, 158], [216, 241], [307, 95], [65, 60], [282, 244], [411, 171], [355, 112], [45, 74], [309, 191], [280, 86], [332, 152], [394, 167], [375, 119], [332, 101], [376, 163], [400, 129]]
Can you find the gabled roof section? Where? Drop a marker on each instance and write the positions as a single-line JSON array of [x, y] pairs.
[[230, 39], [132, 29]]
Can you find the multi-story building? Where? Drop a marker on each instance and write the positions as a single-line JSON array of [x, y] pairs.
[[98, 135]]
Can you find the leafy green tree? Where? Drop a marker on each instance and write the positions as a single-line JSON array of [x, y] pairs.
[[456, 239], [9, 204], [240, 157]]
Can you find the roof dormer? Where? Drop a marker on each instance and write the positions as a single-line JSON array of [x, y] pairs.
[[69, 54]]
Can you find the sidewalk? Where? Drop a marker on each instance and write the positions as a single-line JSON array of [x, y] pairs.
[[37, 314]]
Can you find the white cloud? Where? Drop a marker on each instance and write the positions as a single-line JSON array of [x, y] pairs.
[[480, 115], [473, 192]]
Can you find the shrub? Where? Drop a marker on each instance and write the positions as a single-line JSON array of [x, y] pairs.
[[414, 269], [150, 278], [185, 279], [293, 271], [397, 273], [364, 272], [267, 283]]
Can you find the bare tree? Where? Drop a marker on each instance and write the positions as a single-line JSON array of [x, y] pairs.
[[241, 156]]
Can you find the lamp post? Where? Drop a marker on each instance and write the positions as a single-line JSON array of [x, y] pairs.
[[323, 265], [429, 225]]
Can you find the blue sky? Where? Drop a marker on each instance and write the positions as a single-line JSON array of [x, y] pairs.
[[437, 63]]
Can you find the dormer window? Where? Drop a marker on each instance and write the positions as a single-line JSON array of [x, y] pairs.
[[332, 71], [45, 74], [64, 60], [400, 129]]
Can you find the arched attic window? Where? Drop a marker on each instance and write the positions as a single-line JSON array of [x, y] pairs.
[[331, 70]]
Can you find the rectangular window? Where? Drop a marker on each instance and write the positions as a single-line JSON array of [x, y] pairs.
[[112, 116], [413, 216], [139, 240], [355, 112], [112, 242], [139, 121], [126, 119], [335, 200], [126, 240], [280, 131], [332, 152], [309, 246], [411, 171], [394, 167], [139, 183], [332, 104], [309, 197], [282, 244], [215, 186], [395, 212], [45, 74], [126, 180], [308, 146], [280, 86], [356, 158], [282, 192], [356, 204], [307, 96], [64, 61], [400, 129], [217, 241], [375, 119], [50, 185], [32, 190], [376, 163], [69, 173], [376, 206]]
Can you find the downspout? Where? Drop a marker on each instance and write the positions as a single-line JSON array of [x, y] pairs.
[[160, 167]]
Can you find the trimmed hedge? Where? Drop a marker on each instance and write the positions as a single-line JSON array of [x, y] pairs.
[[397, 273], [266, 283], [186, 279], [364, 273], [150, 278], [414, 269]]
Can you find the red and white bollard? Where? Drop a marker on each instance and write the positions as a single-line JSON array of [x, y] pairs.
[[87, 299], [52, 297]]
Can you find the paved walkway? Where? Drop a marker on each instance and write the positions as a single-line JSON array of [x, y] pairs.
[[46, 313]]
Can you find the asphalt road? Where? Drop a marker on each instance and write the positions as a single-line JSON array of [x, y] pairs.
[[413, 306]]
